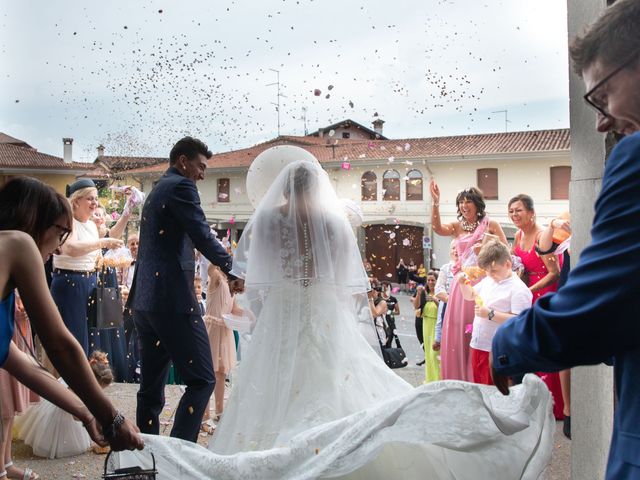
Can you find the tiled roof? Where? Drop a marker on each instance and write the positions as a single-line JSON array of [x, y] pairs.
[[119, 164], [12, 156], [356, 150], [4, 138]]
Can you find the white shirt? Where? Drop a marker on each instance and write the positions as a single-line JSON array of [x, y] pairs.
[[445, 278], [510, 295], [82, 231]]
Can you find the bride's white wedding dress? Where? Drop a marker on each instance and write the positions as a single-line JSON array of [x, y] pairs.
[[312, 399]]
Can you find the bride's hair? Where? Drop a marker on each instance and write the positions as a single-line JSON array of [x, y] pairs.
[[303, 179]]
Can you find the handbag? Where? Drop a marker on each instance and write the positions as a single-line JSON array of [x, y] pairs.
[[394, 357], [105, 308], [129, 473]]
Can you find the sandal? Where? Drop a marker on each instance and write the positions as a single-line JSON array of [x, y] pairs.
[[208, 427], [28, 474]]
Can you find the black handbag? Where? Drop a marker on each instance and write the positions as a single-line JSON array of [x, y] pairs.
[[105, 308], [394, 357], [128, 473]]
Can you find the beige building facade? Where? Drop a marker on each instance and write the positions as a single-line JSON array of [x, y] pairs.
[[389, 180]]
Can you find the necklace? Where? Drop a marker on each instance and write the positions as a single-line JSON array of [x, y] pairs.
[[469, 227]]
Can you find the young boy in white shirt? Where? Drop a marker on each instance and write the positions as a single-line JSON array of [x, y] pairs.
[[499, 296]]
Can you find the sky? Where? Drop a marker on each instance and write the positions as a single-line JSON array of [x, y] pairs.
[[137, 76]]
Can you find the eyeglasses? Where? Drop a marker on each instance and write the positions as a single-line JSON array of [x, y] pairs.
[[597, 103], [64, 235]]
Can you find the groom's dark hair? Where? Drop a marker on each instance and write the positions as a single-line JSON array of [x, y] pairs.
[[190, 147]]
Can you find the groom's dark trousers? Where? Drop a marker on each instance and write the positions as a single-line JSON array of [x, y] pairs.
[[165, 309]]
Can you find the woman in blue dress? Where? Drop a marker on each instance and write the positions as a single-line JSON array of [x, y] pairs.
[[35, 221]]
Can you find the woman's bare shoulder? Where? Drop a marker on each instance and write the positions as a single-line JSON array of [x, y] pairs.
[[14, 239]]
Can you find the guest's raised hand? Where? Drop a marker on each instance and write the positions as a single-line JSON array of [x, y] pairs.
[[435, 191]]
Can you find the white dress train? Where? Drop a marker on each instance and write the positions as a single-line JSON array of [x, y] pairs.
[[313, 400]]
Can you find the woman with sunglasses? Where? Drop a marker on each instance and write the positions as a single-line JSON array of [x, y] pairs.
[[35, 221], [74, 266]]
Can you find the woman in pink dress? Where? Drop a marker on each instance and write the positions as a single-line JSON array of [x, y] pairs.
[[223, 347], [468, 230], [541, 272]]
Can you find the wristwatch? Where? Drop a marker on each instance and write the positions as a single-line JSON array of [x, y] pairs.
[[110, 431], [492, 313]]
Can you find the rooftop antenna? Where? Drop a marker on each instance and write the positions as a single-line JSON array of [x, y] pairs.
[[506, 119], [277, 104]]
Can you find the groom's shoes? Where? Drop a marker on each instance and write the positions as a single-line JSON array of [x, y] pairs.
[[420, 363]]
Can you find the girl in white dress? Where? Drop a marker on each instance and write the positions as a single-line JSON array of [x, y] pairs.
[[53, 433]]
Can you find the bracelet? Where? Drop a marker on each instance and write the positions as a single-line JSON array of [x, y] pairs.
[[93, 419], [110, 431]]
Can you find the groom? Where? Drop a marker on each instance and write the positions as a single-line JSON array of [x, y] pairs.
[[165, 309]]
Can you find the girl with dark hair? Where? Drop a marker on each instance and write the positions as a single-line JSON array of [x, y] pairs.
[[29, 205], [468, 230]]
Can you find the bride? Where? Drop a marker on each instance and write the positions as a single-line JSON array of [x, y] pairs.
[[313, 400]]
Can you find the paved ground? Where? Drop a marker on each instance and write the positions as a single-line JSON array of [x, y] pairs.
[[90, 465]]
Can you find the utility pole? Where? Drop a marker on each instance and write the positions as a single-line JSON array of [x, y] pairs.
[[277, 104], [506, 119]]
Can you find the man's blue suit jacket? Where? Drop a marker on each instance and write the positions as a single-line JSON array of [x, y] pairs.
[[596, 315], [172, 224]]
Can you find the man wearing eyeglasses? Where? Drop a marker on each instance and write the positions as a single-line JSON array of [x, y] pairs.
[[594, 317]]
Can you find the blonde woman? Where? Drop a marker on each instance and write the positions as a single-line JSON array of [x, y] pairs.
[[74, 269]]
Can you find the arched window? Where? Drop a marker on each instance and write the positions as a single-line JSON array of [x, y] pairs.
[[414, 185], [369, 186], [391, 185]]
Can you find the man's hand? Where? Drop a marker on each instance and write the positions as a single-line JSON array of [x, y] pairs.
[[500, 381], [127, 438], [481, 311], [236, 286]]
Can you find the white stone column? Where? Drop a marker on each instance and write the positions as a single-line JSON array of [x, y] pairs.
[[591, 387]]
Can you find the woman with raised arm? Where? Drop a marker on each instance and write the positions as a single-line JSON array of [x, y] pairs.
[[74, 265], [468, 230], [36, 221]]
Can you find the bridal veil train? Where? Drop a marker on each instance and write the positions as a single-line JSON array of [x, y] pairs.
[[311, 398]]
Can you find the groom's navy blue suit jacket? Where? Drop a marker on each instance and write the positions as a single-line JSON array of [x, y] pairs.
[[172, 224], [595, 317]]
